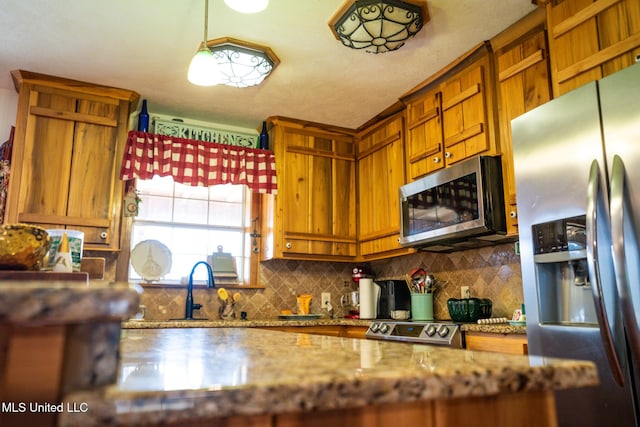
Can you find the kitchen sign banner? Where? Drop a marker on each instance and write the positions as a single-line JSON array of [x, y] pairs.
[[196, 163]]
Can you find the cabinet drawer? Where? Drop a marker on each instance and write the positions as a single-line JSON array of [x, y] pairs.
[[499, 343]]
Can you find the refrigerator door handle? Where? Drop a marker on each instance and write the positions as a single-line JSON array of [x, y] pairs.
[[597, 205], [621, 221]]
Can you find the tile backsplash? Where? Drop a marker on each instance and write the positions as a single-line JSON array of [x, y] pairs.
[[491, 272]]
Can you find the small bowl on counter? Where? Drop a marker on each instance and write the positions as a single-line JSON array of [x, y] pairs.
[[400, 314], [23, 247]]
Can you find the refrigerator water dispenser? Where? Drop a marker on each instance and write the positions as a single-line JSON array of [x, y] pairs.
[[564, 289]]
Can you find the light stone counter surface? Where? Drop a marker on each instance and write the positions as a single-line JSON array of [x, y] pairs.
[[52, 302], [499, 328], [257, 323], [261, 323], [181, 375]]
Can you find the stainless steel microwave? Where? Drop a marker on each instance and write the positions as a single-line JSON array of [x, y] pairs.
[[455, 208]]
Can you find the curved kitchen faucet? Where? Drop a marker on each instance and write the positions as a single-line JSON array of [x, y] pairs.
[[190, 306]]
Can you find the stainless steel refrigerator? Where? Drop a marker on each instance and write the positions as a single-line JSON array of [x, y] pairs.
[[577, 164]]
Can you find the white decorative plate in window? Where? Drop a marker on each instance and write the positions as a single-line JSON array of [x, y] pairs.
[[151, 259]]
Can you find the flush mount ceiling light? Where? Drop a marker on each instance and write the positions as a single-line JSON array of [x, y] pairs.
[[378, 26], [203, 70], [247, 6], [241, 63]]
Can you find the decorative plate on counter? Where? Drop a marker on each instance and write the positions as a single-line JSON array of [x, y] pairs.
[[299, 316], [151, 259]]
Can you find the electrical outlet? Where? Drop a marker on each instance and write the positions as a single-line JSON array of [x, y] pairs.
[[464, 292], [326, 298]]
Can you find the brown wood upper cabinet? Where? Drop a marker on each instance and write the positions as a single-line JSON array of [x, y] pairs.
[[380, 174], [452, 115], [68, 145], [313, 216], [424, 142], [523, 84], [590, 39]]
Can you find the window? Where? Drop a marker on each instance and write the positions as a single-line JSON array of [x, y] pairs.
[[193, 222]]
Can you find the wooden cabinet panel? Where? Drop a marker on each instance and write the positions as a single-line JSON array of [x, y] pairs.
[[328, 330], [355, 331], [453, 115], [424, 142], [500, 343], [523, 84], [380, 175], [313, 214], [467, 111], [590, 39], [69, 141]]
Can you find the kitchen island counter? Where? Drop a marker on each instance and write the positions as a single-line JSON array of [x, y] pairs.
[[501, 328], [245, 376], [256, 323]]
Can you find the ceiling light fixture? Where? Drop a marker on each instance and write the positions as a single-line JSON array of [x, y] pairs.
[[247, 6], [203, 70], [378, 26], [240, 63]]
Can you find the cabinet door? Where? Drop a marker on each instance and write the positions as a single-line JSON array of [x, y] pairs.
[[317, 195], [380, 175], [424, 144], [92, 185], [465, 102], [67, 175], [591, 39], [523, 84]]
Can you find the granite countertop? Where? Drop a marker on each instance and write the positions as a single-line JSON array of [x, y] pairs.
[[262, 323], [65, 302], [256, 323], [175, 375], [497, 328]]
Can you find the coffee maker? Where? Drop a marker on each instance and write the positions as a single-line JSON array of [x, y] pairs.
[[394, 295]]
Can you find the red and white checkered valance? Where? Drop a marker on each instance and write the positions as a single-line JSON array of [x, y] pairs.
[[195, 163]]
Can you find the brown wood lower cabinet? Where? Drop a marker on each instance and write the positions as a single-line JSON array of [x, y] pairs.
[[490, 411], [499, 343], [329, 330]]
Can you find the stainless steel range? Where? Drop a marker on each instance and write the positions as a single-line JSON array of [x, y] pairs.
[[437, 333]]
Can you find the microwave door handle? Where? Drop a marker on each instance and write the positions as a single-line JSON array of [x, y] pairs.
[[597, 212], [623, 231]]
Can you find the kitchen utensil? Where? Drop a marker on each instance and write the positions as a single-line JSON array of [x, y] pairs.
[[430, 283], [418, 276], [23, 247], [469, 309], [223, 294]]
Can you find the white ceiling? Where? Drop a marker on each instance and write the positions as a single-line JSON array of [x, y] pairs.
[[146, 46]]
